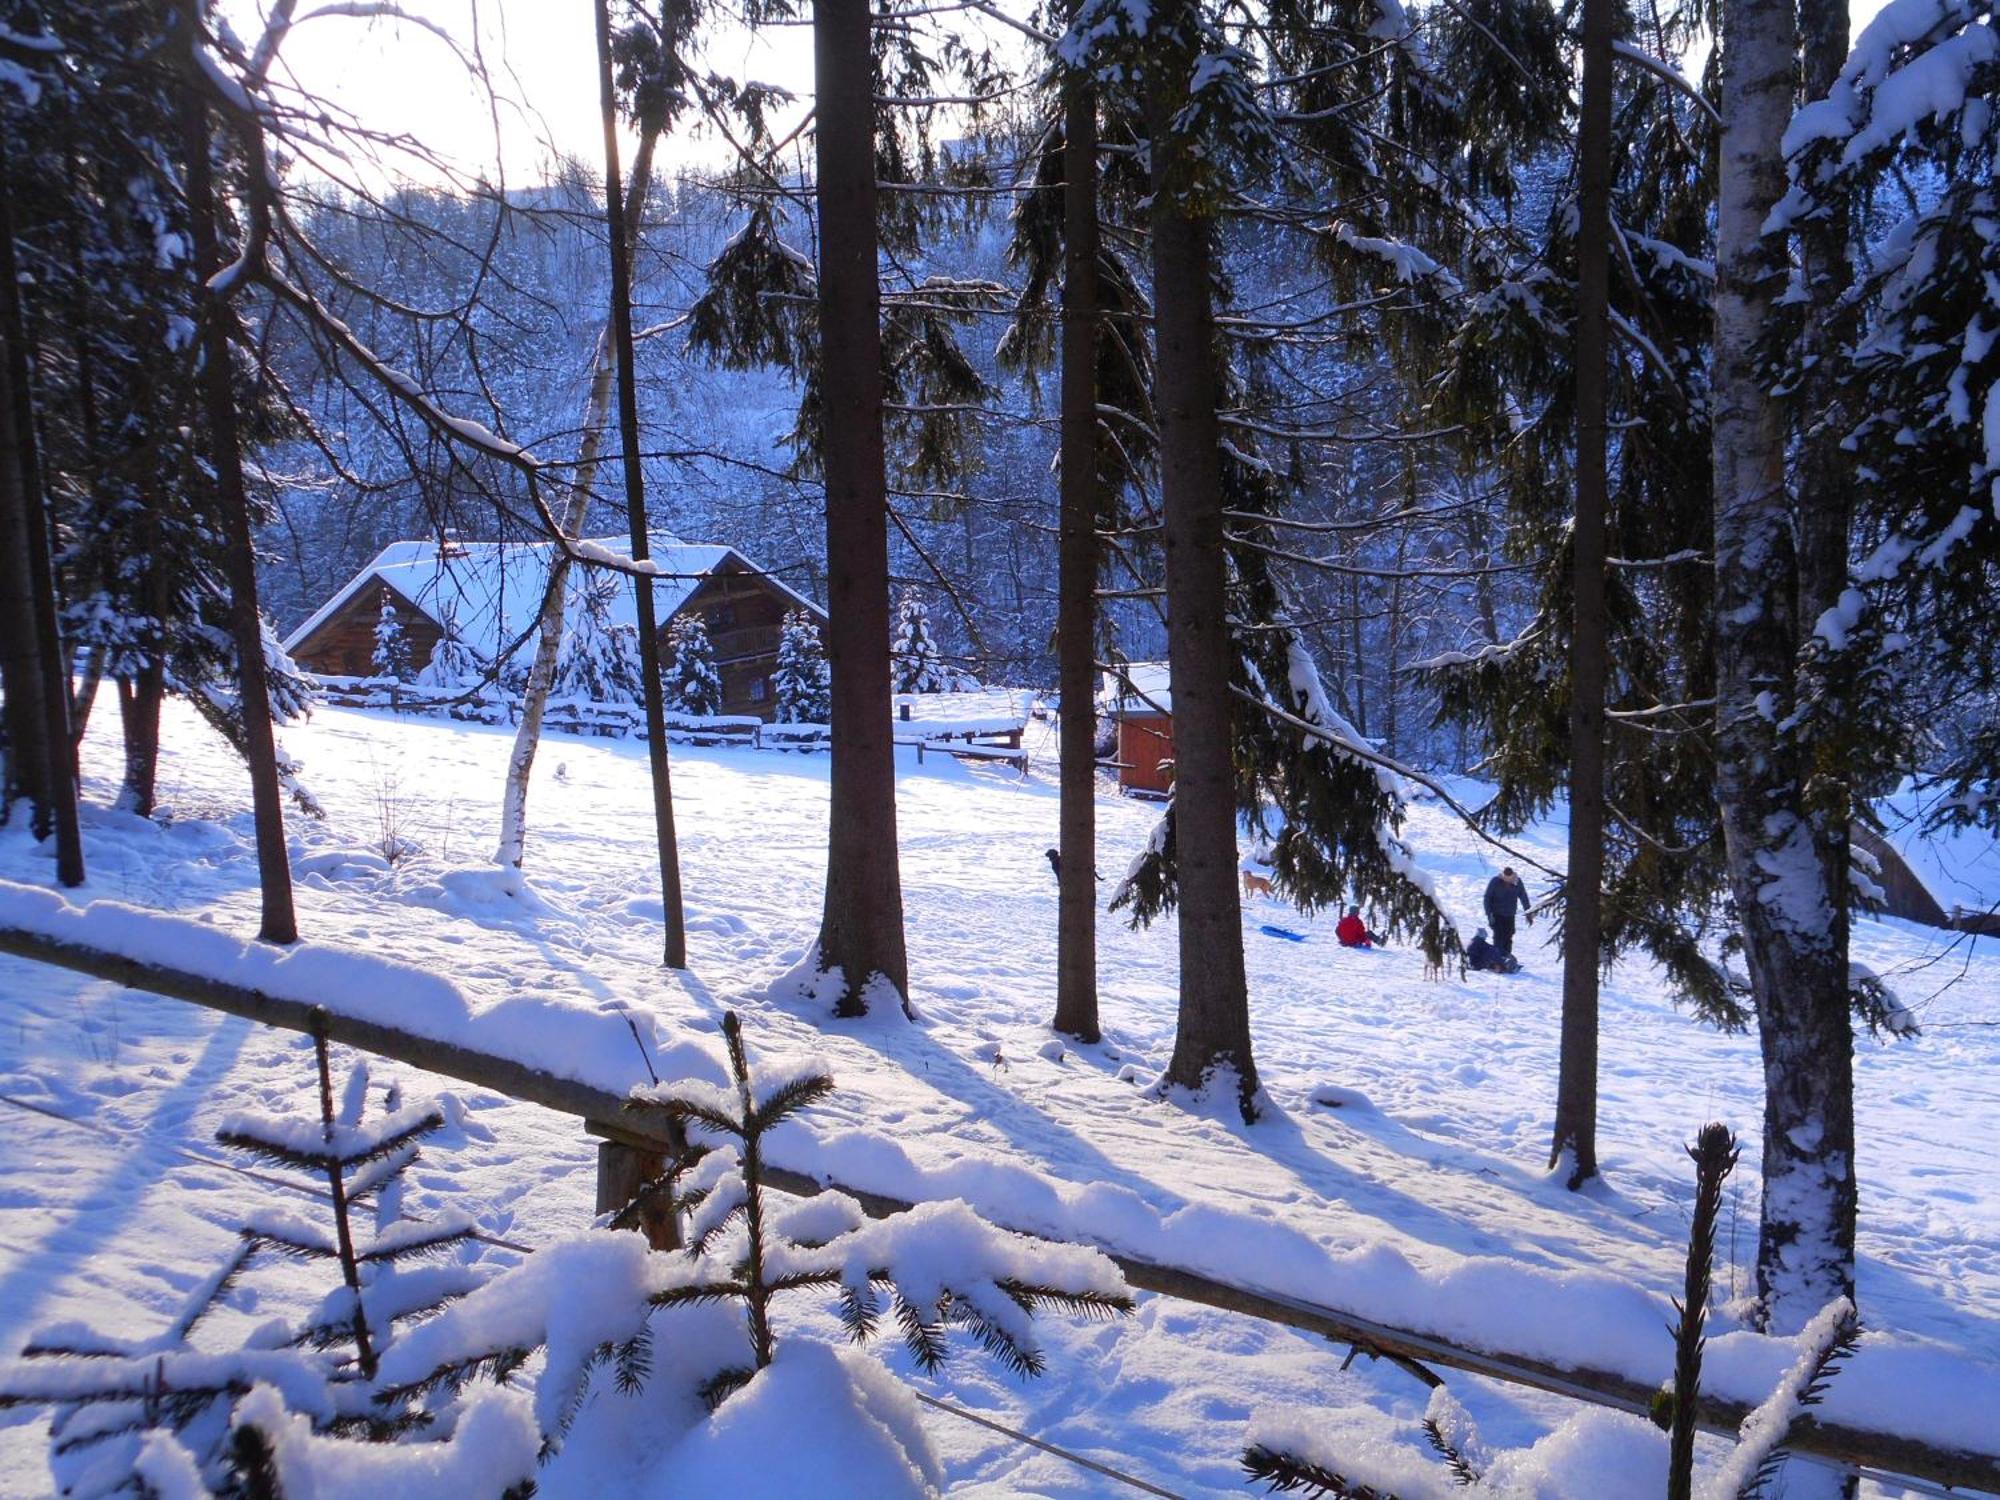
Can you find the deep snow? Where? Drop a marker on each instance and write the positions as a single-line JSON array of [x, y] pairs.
[[1431, 1154]]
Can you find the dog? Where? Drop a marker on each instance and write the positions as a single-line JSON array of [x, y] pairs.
[[1255, 884]]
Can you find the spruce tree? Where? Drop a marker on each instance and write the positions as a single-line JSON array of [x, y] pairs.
[[390, 656], [693, 685], [600, 657], [927, 1272], [918, 664], [113, 1396], [800, 685], [453, 663]]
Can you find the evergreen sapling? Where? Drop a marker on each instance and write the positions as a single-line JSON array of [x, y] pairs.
[[694, 686], [918, 663], [453, 663], [1293, 1452], [260, 1418], [801, 685], [929, 1271], [600, 656], [391, 657]]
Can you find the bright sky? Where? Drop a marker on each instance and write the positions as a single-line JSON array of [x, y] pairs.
[[398, 77]]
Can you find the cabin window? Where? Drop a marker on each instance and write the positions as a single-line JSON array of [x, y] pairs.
[[760, 688], [722, 617]]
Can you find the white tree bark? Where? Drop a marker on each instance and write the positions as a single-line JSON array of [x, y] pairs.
[[1788, 884], [548, 642], [549, 629]]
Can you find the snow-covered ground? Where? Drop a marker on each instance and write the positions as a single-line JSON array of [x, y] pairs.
[[1409, 1118]]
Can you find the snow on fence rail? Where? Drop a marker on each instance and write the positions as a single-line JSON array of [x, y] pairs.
[[1900, 1407], [987, 737]]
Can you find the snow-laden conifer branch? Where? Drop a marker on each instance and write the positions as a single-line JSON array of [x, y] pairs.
[[1754, 1464]]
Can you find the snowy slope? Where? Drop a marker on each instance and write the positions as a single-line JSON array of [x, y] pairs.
[[1431, 1152]]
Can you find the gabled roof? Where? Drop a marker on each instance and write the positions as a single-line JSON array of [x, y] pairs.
[[1960, 867], [1137, 688], [491, 592]]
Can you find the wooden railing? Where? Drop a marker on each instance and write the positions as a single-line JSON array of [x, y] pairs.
[[632, 1135]]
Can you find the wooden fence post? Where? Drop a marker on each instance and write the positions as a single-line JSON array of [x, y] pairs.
[[624, 1167]]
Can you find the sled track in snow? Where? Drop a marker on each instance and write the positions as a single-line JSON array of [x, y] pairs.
[[1889, 1456]]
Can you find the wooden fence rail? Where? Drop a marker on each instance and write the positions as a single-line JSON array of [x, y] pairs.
[[609, 1115]]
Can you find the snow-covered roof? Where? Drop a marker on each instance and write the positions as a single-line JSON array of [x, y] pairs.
[[491, 592], [1960, 867], [1139, 687]]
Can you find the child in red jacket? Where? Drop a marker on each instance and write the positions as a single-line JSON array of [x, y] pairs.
[[1353, 932]]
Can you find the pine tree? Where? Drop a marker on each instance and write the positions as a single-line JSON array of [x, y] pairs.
[[390, 657], [112, 1395], [693, 684], [800, 685], [937, 1268], [453, 663], [600, 659], [918, 664]]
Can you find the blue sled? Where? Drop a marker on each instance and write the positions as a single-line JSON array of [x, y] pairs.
[[1283, 932]]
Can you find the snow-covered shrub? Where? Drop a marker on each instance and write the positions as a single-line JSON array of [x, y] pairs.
[[802, 685], [1596, 1452], [453, 663], [191, 1418], [693, 684], [593, 1307], [600, 657], [391, 656], [917, 663]]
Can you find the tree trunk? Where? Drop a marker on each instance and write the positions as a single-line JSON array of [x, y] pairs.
[[57, 791], [225, 457], [83, 702], [1573, 1144], [1790, 903], [1076, 621], [139, 699], [861, 927], [1212, 1036], [27, 770], [549, 627], [621, 234]]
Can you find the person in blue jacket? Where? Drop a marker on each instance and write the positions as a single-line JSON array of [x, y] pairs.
[[1506, 894]]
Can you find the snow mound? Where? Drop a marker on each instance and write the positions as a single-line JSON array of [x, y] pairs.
[[816, 1421], [1333, 1096]]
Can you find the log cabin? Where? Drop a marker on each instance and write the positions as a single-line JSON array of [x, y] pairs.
[[490, 593]]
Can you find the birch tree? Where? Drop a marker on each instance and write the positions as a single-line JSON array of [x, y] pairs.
[[1785, 870]]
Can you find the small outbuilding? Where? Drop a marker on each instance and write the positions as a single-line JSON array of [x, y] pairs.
[[1941, 877], [1142, 710], [489, 595]]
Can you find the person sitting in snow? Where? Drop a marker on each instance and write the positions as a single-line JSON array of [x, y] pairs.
[[1483, 956], [1353, 932]]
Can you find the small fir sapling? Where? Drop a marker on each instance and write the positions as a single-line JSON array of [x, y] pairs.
[[937, 1268], [1287, 1455], [693, 685], [391, 657], [917, 662], [802, 685], [168, 1402], [1714, 1154]]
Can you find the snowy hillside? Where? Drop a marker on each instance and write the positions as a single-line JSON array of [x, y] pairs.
[[1401, 1155]]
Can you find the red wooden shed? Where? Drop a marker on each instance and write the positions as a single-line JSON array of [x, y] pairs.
[[1142, 709]]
